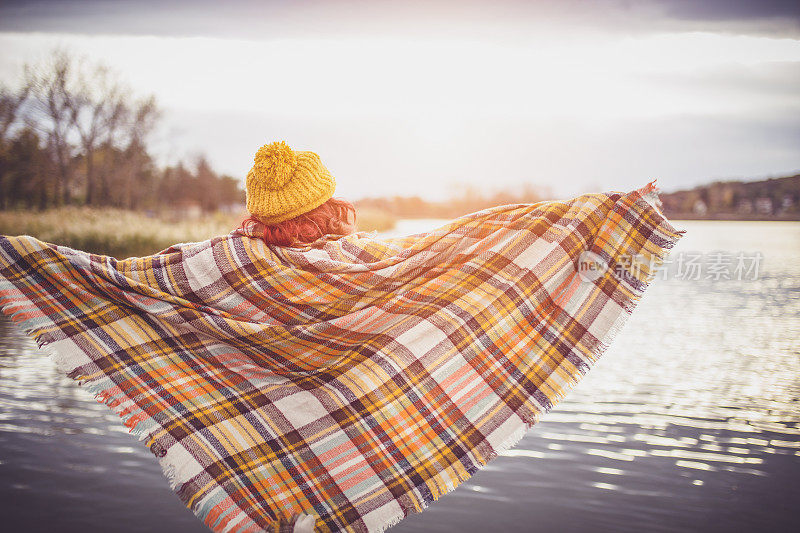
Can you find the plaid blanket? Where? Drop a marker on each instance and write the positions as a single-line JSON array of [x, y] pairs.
[[348, 383]]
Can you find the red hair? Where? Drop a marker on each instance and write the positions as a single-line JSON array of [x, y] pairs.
[[334, 217]]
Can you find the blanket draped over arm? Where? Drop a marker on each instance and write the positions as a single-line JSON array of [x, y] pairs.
[[355, 380]]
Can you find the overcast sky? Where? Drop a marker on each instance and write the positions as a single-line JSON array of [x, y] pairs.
[[424, 98]]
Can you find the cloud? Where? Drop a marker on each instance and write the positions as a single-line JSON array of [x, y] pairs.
[[731, 9], [573, 110], [434, 80], [499, 20]]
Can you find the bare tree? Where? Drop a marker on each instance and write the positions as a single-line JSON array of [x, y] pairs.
[[140, 121], [74, 123], [89, 117], [52, 115], [145, 115], [11, 103], [98, 109]]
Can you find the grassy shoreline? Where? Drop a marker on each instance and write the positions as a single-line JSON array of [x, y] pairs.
[[121, 233], [115, 232]]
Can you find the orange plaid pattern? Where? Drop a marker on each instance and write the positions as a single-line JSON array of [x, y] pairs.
[[355, 380]]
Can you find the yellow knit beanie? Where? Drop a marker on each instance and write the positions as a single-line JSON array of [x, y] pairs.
[[284, 184]]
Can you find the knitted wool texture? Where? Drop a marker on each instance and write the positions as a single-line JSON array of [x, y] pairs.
[[284, 184]]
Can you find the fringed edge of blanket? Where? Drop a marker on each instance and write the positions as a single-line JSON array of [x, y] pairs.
[[68, 359], [142, 426], [647, 194]]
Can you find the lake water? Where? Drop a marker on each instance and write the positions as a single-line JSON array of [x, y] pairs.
[[690, 421]]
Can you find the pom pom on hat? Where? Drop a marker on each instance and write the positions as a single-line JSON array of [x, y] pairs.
[[284, 184], [275, 164]]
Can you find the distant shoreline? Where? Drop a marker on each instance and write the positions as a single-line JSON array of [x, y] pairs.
[[793, 217], [775, 199]]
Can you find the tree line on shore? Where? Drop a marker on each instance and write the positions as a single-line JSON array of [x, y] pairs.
[[770, 199], [73, 133]]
